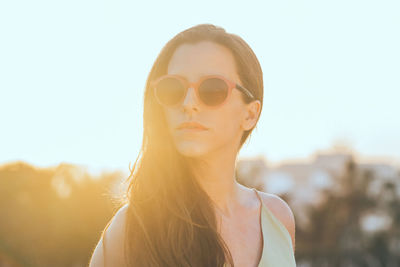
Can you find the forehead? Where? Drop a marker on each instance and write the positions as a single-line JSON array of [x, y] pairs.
[[204, 58]]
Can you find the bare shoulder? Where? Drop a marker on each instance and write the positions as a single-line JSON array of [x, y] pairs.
[[281, 211], [109, 250]]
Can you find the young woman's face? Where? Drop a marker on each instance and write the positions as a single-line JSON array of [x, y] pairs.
[[225, 124]]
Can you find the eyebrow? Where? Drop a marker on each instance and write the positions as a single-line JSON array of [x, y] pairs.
[[202, 75]]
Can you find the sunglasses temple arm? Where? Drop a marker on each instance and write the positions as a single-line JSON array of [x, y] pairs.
[[247, 92]]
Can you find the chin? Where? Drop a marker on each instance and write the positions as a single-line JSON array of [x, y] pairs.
[[191, 151]]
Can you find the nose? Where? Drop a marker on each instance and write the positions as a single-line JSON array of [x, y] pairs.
[[190, 101]]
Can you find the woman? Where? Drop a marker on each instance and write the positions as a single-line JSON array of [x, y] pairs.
[[184, 207]]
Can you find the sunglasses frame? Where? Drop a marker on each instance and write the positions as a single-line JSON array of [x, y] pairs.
[[195, 86]]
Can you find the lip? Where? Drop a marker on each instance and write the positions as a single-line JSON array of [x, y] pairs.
[[191, 125]]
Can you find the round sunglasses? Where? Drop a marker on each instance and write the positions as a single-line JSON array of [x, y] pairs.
[[212, 90]]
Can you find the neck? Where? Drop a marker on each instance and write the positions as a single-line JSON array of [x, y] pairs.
[[216, 175]]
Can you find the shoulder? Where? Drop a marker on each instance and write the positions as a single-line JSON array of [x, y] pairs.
[[281, 211], [109, 250]]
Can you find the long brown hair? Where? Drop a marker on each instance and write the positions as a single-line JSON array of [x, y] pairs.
[[171, 220]]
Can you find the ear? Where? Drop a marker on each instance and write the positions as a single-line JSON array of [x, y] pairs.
[[251, 114]]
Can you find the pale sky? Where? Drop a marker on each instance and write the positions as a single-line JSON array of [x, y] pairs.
[[72, 75]]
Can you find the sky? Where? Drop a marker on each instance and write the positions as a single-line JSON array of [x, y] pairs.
[[72, 75]]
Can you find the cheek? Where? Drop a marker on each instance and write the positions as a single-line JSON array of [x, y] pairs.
[[169, 118], [226, 125]]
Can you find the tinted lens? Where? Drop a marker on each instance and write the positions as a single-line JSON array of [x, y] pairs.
[[169, 91], [213, 91]]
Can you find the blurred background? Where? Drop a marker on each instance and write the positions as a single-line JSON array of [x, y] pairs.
[[72, 75]]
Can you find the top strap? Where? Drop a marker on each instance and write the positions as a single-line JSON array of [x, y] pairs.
[[258, 196]]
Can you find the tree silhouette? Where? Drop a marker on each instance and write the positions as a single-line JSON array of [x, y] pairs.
[[50, 217], [335, 236]]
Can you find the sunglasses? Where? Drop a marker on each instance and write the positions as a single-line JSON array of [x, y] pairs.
[[212, 90]]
